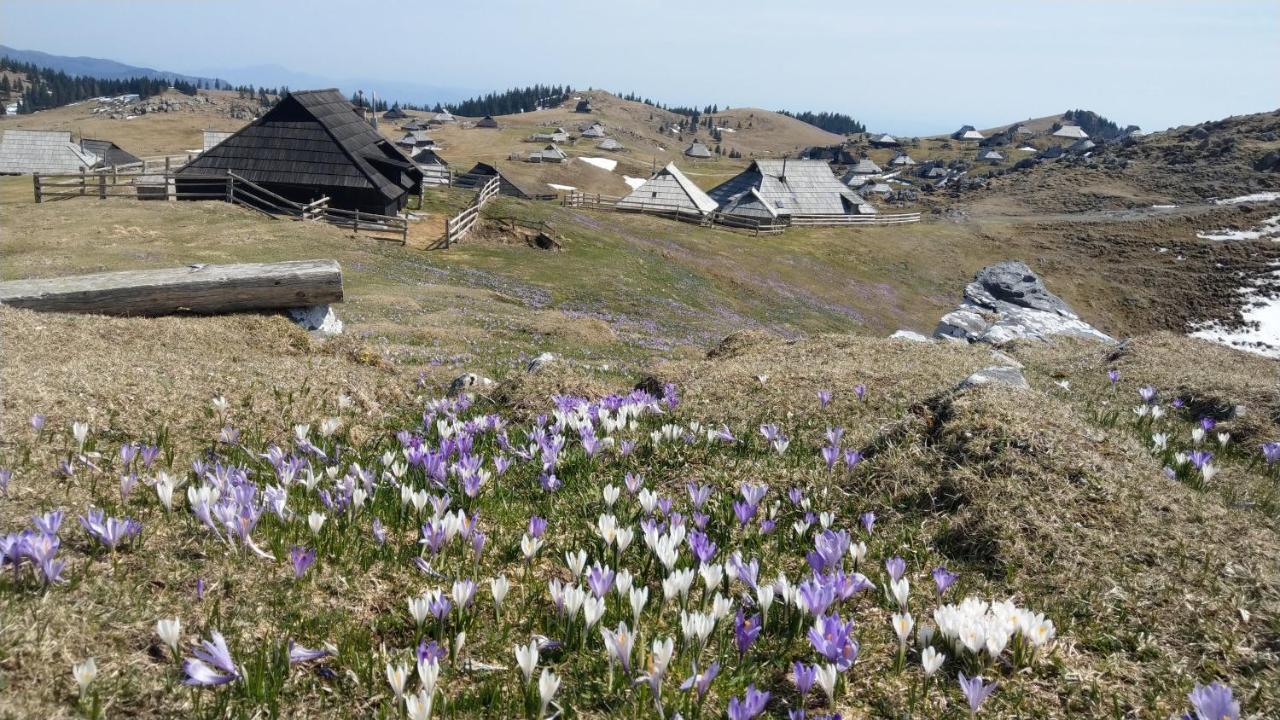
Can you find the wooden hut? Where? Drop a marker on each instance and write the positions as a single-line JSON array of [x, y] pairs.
[[23, 152], [108, 153], [312, 144], [610, 144], [550, 154], [480, 173], [966, 133], [596, 130], [669, 191], [583, 106], [885, 140], [902, 159], [487, 122], [797, 188], [697, 150], [395, 113], [1074, 132]]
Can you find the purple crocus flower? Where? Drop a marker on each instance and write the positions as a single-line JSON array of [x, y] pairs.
[[633, 481], [37, 422], [537, 526], [1178, 403], [868, 520], [943, 578], [699, 494], [861, 391], [430, 650], [5, 476], [49, 522], [1208, 423], [767, 525], [744, 512], [700, 682], [128, 452], [600, 580], [895, 566], [805, 675], [1200, 458], [1113, 376], [830, 454], [1271, 452], [440, 606], [1147, 393], [831, 638], [149, 453], [301, 559], [851, 460], [109, 531], [745, 630], [795, 495], [300, 654], [824, 398], [379, 532], [975, 692], [702, 547], [1214, 702], [199, 588], [212, 664], [751, 704]]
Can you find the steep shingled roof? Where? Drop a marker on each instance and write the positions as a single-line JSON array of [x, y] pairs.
[[794, 187], [42, 151], [669, 190]]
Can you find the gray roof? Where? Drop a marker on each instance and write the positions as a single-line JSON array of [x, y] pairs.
[[595, 131], [443, 117], [750, 204], [1070, 131], [1082, 145], [429, 157], [990, 155], [40, 151], [969, 134], [885, 139], [794, 187], [902, 159], [609, 144], [108, 153], [698, 150], [865, 167], [669, 190], [550, 153]]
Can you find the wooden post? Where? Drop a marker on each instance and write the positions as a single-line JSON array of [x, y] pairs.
[[356, 228], [231, 189], [102, 186], [35, 184], [166, 164], [82, 180]]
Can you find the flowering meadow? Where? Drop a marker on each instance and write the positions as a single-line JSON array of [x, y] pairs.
[[638, 554]]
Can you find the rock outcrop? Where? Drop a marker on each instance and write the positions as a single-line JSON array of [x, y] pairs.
[[1006, 302]]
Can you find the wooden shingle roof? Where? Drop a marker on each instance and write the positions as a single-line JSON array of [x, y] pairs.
[[793, 187], [108, 153], [315, 138]]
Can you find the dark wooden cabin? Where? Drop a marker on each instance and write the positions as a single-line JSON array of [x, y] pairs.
[[312, 144]]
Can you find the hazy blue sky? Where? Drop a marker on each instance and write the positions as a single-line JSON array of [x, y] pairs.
[[907, 66]]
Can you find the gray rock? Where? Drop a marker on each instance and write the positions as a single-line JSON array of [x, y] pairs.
[[540, 362], [317, 318], [1005, 375], [1007, 302], [467, 383], [1004, 359], [911, 335]]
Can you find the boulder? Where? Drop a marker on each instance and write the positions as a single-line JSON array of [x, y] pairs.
[[317, 318], [1005, 375], [467, 383], [540, 362], [1008, 301]]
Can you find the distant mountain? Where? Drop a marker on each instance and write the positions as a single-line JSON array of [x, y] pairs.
[[388, 89], [95, 67]]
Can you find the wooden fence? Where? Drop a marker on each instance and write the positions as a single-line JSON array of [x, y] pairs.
[[457, 227], [877, 219], [113, 182], [607, 202]]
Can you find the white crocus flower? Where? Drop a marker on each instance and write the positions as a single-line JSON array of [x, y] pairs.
[[419, 608], [315, 521], [397, 676], [418, 707], [576, 562], [932, 660], [170, 632], [85, 673], [639, 597], [826, 680], [499, 586], [548, 684], [712, 574], [611, 493], [527, 659]]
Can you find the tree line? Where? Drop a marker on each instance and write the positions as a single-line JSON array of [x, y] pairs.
[[837, 123], [46, 88], [515, 100], [1094, 124]]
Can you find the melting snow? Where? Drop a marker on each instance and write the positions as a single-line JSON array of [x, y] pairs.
[[1255, 197], [1261, 333], [1270, 228], [602, 163], [633, 182], [561, 187]]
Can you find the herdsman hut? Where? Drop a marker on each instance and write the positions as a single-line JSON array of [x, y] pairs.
[[697, 150], [395, 113], [312, 144], [41, 151], [583, 106], [487, 122], [108, 153], [1071, 131], [796, 188], [669, 191]]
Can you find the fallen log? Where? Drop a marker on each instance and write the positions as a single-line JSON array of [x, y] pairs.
[[197, 289]]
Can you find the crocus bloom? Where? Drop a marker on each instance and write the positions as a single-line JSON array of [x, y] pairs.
[[301, 558], [109, 531], [751, 704], [700, 682], [548, 684], [861, 391], [931, 660], [1214, 702], [943, 578], [300, 654], [212, 664], [397, 676], [824, 398], [745, 630], [85, 672], [170, 632], [868, 520], [527, 659], [804, 676], [831, 639], [975, 692], [895, 566]]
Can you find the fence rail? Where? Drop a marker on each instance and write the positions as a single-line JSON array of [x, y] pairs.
[[877, 219], [117, 182], [457, 227]]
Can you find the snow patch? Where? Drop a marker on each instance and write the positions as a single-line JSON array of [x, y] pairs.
[[1255, 197], [1163, 207], [602, 163], [1261, 331], [561, 187], [317, 318], [633, 183], [1270, 228]]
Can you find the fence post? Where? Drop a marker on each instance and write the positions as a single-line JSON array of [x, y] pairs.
[[35, 186], [82, 180], [356, 229], [102, 186], [231, 188]]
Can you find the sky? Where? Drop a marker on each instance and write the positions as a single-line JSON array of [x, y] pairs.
[[907, 66]]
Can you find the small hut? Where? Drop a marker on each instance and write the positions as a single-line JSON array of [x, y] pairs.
[[415, 125], [429, 158], [885, 140], [108, 153], [595, 131], [395, 113], [697, 150], [1071, 131], [990, 156], [557, 135], [797, 188], [444, 117], [669, 191], [416, 140], [583, 106], [1081, 146], [903, 160], [865, 166], [550, 153], [487, 122], [610, 144], [23, 152], [966, 133], [480, 173], [750, 205]]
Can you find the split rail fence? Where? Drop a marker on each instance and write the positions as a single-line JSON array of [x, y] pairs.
[[163, 185], [457, 227]]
